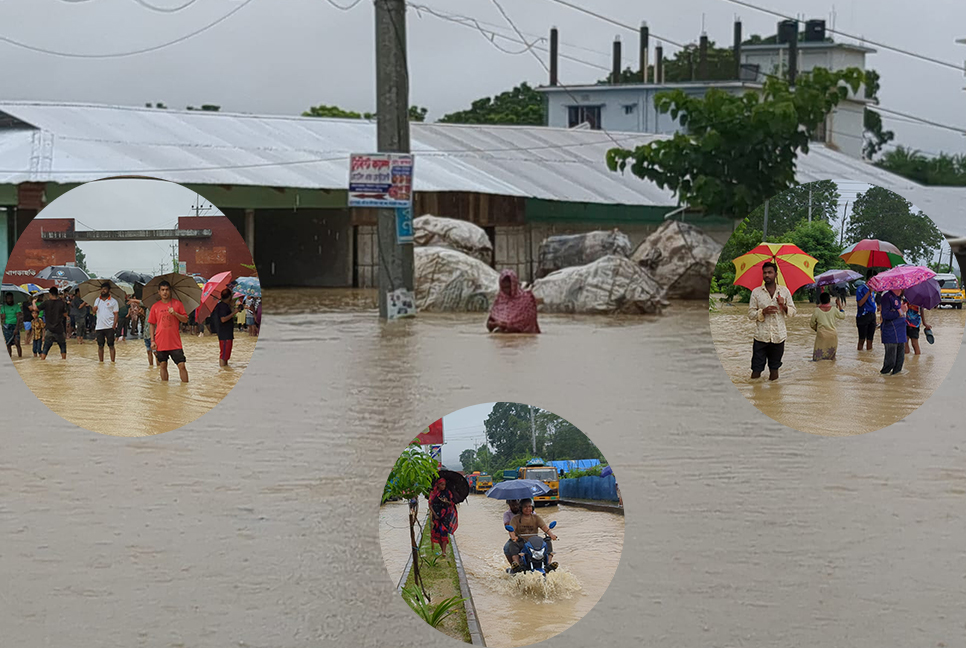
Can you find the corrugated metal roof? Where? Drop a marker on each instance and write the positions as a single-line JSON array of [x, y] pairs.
[[85, 142], [71, 143]]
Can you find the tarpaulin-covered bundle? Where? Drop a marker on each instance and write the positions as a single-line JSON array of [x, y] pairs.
[[610, 285], [447, 280], [572, 465], [681, 258], [462, 236], [559, 252]]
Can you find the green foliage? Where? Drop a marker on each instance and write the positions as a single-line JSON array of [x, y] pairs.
[[522, 105], [941, 268], [876, 137], [593, 471], [412, 476], [787, 209], [434, 615], [81, 259], [944, 170], [737, 151], [416, 113], [508, 434], [819, 240], [467, 459], [881, 214], [431, 560], [683, 66], [742, 240], [206, 108]]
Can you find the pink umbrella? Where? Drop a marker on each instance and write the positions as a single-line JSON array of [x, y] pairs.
[[211, 294], [900, 278]]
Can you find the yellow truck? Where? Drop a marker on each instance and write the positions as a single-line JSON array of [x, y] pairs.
[[483, 483], [536, 469]]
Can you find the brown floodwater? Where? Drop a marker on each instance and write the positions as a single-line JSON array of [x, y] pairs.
[[127, 397], [838, 397], [518, 610], [257, 525]]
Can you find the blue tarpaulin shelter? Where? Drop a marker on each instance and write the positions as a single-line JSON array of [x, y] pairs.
[[563, 467]]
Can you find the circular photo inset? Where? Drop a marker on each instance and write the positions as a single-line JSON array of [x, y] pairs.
[[130, 294], [836, 308], [501, 523]]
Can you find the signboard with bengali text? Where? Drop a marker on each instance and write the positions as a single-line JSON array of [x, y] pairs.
[[381, 180]]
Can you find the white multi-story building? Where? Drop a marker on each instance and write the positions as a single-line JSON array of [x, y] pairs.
[[630, 107]]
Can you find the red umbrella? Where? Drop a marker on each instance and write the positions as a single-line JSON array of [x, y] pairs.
[[212, 294]]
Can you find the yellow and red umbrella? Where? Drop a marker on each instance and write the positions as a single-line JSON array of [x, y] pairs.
[[795, 267], [873, 253]]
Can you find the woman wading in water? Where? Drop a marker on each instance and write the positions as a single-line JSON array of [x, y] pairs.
[[445, 519], [515, 309]]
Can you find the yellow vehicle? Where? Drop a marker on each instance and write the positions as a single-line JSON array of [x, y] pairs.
[[536, 469], [483, 483], [951, 292]]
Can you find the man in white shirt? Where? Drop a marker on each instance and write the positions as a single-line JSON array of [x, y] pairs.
[[106, 309], [770, 304]]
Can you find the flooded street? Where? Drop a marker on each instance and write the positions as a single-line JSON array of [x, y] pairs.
[[588, 550], [81, 389], [258, 524], [841, 397]]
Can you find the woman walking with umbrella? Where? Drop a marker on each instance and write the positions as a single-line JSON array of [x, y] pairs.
[[442, 510]]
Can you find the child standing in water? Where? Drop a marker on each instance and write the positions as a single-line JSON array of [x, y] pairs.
[[824, 321], [915, 317]]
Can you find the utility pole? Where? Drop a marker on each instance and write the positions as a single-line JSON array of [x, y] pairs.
[[533, 432], [845, 216], [392, 124], [764, 233], [809, 203]]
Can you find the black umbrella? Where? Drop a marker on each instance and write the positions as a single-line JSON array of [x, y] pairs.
[[63, 273], [457, 485], [132, 277]]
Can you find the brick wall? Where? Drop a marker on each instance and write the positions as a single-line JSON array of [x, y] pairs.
[[31, 254], [225, 250]]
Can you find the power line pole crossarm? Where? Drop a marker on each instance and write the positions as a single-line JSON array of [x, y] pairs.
[[392, 118]]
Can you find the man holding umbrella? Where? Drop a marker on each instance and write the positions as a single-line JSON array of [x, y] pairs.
[[105, 310], [769, 305], [164, 325], [12, 319]]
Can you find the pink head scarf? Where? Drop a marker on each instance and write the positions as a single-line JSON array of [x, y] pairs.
[[515, 310]]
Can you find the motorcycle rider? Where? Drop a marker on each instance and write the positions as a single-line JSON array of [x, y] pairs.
[[514, 509], [526, 524]]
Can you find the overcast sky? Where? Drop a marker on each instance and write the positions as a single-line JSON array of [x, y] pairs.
[[464, 429], [281, 57], [126, 204]]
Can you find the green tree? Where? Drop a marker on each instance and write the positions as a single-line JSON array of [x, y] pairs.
[[940, 267], [791, 206], [882, 214], [736, 151], [563, 440], [942, 170], [468, 459], [412, 476], [521, 105], [81, 259], [417, 113], [683, 66], [323, 110], [820, 240], [742, 240], [875, 136], [508, 431]]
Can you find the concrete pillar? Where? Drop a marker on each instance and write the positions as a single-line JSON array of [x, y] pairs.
[[250, 231]]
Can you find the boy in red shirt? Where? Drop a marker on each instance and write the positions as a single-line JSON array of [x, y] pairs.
[[164, 330]]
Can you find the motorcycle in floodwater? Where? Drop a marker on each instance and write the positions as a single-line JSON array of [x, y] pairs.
[[534, 556]]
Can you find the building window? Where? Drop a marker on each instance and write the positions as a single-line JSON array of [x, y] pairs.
[[577, 115], [629, 109]]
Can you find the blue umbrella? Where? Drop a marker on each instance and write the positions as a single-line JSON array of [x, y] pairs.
[[518, 489]]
